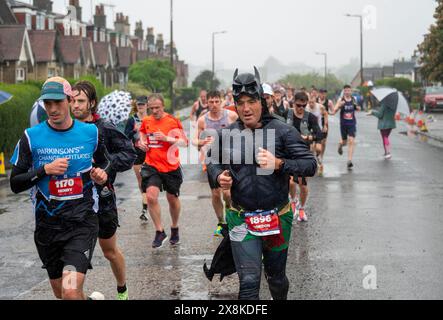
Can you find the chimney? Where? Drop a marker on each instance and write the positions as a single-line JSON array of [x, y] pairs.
[[44, 5], [150, 39], [76, 4], [160, 44], [139, 32], [100, 17], [122, 25]]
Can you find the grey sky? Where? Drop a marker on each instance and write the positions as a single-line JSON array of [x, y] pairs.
[[289, 30]]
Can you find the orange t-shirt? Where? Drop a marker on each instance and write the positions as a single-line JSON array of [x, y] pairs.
[[162, 155]]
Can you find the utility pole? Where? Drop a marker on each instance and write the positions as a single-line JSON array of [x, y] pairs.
[[360, 16], [326, 67], [171, 49], [213, 55]]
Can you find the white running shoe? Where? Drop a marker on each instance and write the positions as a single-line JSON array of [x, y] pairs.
[[96, 296]]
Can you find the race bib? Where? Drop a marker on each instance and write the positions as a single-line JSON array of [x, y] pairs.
[[348, 116], [153, 143], [262, 223], [66, 188]]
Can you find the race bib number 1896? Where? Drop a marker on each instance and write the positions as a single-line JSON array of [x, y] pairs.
[[262, 224]]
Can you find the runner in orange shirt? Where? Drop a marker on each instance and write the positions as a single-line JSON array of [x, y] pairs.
[[162, 134]]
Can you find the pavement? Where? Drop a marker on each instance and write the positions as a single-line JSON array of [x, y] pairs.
[[435, 126], [373, 233]]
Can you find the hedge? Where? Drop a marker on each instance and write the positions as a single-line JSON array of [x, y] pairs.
[[14, 115]]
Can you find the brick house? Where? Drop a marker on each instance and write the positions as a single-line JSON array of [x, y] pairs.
[[36, 43], [16, 58]]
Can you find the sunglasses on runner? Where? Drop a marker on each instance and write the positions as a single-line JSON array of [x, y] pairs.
[[301, 105]]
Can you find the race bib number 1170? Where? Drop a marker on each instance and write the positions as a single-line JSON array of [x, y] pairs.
[[66, 188]]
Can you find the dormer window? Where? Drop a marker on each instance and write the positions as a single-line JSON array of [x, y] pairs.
[[40, 22], [51, 23], [28, 21]]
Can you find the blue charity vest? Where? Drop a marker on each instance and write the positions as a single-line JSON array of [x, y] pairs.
[[78, 144]]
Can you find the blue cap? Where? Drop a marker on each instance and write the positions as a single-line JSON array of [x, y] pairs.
[[53, 91]]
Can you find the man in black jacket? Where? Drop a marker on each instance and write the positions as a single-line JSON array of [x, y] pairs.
[[254, 159], [121, 156]]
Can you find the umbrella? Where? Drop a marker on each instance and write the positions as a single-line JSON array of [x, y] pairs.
[[115, 107], [38, 113], [5, 97], [392, 98]]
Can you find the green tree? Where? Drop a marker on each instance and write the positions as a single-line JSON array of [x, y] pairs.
[[431, 49], [312, 79], [401, 84], [206, 80], [154, 75]]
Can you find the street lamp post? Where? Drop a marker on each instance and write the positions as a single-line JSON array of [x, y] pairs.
[[361, 43], [213, 54], [326, 67], [171, 49]]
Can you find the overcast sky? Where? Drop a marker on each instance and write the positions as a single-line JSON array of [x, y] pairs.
[[289, 30]]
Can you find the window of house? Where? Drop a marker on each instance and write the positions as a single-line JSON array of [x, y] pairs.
[[51, 23], [40, 22], [95, 35], [84, 31], [102, 36], [20, 74], [75, 29], [51, 72], [28, 21]]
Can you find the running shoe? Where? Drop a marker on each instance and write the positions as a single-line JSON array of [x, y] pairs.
[[96, 296], [340, 149], [160, 238], [123, 296], [388, 156], [218, 231], [144, 216], [320, 170], [302, 217], [175, 238], [350, 165]]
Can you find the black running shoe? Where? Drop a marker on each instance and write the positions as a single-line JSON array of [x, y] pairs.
[[144, 216], [175, 238], [350, 165], [340, 149], [160, 238]]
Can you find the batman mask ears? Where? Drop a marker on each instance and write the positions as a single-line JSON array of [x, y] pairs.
[[257, 74], [235, 74]]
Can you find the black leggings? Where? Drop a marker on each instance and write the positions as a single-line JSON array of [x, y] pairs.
[[248, 261]]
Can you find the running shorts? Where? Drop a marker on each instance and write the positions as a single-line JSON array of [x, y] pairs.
[[169, 182], [71, 246]]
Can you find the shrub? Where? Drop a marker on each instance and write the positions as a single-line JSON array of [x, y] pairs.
[[14, 115]]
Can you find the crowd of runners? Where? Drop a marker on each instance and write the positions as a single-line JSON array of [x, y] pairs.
[[71, 161]]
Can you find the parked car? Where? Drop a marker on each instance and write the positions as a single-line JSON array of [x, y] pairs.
[[433, 98]]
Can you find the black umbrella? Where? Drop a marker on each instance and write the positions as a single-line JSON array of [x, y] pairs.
[[223, 261]]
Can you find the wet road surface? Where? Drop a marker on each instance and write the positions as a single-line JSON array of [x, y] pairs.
[[383, 218]]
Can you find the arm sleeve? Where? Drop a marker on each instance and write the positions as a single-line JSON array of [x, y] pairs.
[[121, 152], [379, 114], [129, 129], [22, 175], [299, 161]]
